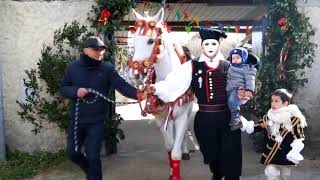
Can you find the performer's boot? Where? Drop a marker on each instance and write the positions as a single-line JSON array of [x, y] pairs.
[[175, 170], [171, 164]]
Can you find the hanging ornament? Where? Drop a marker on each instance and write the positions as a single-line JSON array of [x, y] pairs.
[[237, 28], [179, 15], [168, 7], [196, 19], [228, 28], [248, 30], [104, 16], [122, 28], [132, 29], [206, 23], [188, 28], [186, 14], [283, 58]]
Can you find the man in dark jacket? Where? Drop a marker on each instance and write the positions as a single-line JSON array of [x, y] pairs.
[[88, 111]]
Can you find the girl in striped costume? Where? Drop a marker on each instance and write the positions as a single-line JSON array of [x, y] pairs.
[[283, 125]]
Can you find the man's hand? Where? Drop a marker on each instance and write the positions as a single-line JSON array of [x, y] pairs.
[[141, 95], [150, 89], [82, 92], [241, 93]]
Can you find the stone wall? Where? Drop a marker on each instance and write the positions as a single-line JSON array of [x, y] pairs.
[[25, 27], [308, 97]]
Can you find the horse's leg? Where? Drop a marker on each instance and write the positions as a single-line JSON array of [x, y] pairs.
[[185, 149], [185, 143], [180, 125], [169, 142], [168, 135]]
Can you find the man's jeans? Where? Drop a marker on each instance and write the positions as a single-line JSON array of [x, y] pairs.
[[90, 135]]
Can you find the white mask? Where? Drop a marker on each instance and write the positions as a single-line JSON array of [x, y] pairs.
[[210, 47]]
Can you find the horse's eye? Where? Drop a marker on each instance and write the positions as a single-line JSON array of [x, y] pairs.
[[150, 41]]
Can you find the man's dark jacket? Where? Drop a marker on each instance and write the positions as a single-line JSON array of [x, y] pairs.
[[97, 75]]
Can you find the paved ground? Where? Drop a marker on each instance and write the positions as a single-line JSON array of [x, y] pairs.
[[142, 156]]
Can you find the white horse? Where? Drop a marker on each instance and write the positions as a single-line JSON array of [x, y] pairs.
[[155, 56]]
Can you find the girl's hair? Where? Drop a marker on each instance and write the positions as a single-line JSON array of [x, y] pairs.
[[283, 94]]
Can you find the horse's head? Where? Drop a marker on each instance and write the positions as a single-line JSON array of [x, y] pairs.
[[148, 43]]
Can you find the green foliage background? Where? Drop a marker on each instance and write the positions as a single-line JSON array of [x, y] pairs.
[[300, 56], [67, 46]]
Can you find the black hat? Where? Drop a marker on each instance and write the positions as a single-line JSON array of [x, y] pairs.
[[207, 33], [94, 42]]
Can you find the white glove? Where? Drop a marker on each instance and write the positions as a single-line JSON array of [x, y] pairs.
[[279, 138], [247, 126], [294, 154]]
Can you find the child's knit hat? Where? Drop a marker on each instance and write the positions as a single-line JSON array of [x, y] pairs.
[[243, 53]]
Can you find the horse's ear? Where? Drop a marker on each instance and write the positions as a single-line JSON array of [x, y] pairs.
[[159, 16], [136, 14]]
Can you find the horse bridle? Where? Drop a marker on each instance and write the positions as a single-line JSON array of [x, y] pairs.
[[147, 29]]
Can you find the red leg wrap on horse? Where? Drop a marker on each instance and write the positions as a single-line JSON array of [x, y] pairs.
[[176, 170]]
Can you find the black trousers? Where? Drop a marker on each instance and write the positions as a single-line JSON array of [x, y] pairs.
[[219, 177], [92, 135], [220, 147]]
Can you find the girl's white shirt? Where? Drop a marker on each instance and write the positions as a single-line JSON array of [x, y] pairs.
[[282, 117]]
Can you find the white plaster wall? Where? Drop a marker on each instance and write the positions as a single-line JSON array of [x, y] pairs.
[[308, 97], [24, 27]]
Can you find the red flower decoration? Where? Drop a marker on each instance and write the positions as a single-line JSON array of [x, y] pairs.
[[186, 14], [282, 21], [105, 15], [169, 28], [132, 29]]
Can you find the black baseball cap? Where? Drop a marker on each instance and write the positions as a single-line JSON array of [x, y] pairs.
[[94, 42]]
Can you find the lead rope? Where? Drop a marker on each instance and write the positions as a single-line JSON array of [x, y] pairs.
[[76, 115]]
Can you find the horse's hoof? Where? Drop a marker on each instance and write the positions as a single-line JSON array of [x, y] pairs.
[[185, 156]]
